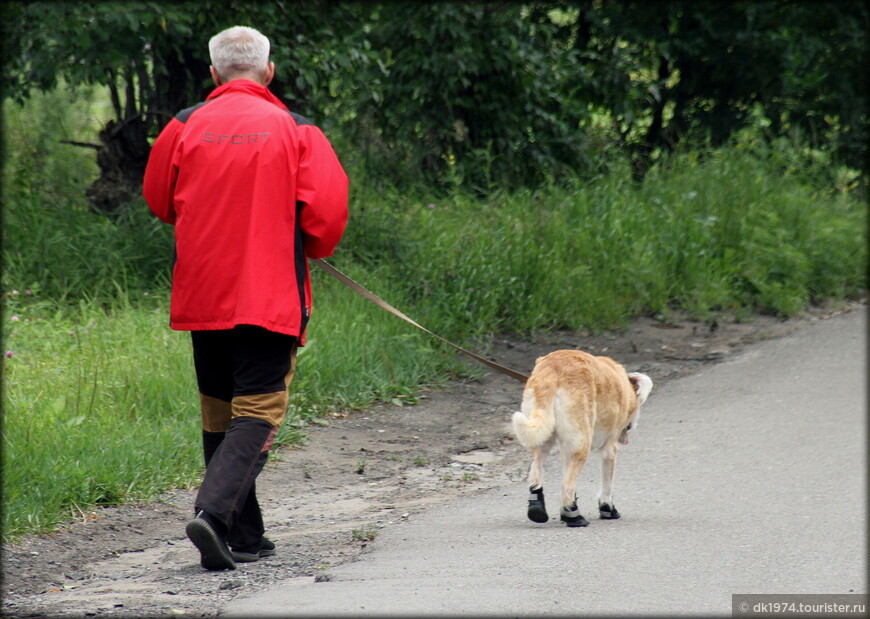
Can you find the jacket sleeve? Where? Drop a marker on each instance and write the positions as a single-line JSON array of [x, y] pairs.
[[321, 191], [160, 174]]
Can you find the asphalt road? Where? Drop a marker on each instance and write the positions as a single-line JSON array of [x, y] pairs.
[[748, 477]]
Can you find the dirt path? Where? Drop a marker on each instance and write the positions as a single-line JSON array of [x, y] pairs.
[[325, 501]]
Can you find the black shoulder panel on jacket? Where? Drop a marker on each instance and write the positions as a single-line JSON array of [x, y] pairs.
[[184, 114], [300, 120]]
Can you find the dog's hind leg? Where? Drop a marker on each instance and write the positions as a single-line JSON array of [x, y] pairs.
[[572, 464], [537, 512], [536, 470], [606, 508]]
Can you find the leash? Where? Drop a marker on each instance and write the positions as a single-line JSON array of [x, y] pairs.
[[347, 281]]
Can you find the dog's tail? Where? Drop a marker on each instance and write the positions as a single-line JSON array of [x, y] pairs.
[[535, 423]]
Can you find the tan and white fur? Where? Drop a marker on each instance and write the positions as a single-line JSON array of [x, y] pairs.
[[586, 403]]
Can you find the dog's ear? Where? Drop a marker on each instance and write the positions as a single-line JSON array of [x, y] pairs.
[[642, 385]]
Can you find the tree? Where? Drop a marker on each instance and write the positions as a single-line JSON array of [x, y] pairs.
[[153, 59], [479, 94], [668, 70], [131, 52], [471, 93]]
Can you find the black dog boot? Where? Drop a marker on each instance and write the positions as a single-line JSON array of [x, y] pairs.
[[607, 511], [537, 511], [572, 516]]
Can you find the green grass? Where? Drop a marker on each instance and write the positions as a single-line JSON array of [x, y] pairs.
[[99, 396], [98, 408], [101, 407], [730, 231]]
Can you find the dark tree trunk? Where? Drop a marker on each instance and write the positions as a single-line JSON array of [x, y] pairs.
[[124, 144], [121, 157]]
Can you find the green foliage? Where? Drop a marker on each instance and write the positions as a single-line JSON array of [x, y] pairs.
[[152, 58], [366, 534], [53, 243], [457, 94], [476, 95], [36, 162], [668, 71], [747, 226]]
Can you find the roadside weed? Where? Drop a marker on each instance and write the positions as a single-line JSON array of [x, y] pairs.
[[366, 534]]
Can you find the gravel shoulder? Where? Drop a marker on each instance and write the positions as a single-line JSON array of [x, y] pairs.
[[325, 501]]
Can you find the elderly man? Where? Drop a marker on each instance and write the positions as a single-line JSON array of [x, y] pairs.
[[253, 191]]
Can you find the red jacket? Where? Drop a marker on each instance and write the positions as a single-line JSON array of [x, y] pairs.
[[253, 190]]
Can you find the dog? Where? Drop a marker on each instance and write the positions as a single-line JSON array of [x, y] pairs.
[[586, 403]]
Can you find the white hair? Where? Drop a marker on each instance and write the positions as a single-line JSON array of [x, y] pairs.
[[238, 50]]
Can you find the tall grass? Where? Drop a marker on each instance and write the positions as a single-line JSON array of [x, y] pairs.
[[730, 231], [97, 409], [99, 397]]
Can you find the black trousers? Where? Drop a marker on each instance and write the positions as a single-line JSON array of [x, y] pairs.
[[243, 376]]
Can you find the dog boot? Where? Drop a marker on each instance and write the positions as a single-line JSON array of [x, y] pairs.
[[572, 516], [607, 511], [537, 511]]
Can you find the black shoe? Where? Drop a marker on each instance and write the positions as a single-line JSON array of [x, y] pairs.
[[266, 549], [572, 517], [537, 510], [206, 535], [608, 511]]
